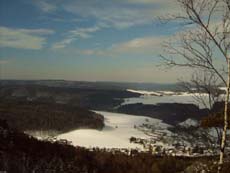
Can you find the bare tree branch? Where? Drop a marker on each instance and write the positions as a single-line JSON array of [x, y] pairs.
[[204, 47]]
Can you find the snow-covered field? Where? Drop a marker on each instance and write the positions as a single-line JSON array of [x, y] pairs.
[[150, 97], [116, 134], [119, 128]]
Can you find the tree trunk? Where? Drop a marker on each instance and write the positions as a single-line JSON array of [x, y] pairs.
[[224, 133]]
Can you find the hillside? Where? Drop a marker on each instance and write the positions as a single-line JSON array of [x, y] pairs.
[[34, 116], [83, 96], [171, 113], [101, 99], [24, 154]]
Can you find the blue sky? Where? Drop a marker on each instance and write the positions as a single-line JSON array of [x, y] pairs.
[[90, 40]]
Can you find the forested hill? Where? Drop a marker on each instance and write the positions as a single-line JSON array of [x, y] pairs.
[[91, 98], [24, 154], [171, 113], [24, 115], [93, 85]]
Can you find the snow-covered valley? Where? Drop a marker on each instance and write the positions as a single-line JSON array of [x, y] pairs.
[[124, 131], [116, 133], [155, 97]]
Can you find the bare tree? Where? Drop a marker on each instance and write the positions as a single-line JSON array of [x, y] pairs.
[[205, 89], [204, 46]]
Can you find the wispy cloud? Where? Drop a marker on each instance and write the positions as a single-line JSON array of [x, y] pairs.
[[145, 46], [84, 32], [23, 38], [118, 14], [159, 2], [2, 61], [45, 5], [37, 31], [63, 43], [121, 14], [143, 1], [139, 46], [78, 33]]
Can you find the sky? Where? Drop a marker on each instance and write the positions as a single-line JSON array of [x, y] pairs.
[[86, 40]]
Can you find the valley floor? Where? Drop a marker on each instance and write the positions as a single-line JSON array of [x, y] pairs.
[[118, 130], [24, 154]]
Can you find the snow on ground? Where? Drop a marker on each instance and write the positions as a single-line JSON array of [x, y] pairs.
[[189, 123], [145, 92], [151, 97], [182, 97], [163, 99], [116, 134]]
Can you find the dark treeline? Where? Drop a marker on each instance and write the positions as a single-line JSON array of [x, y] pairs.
[[24, 154], [171, 113], [215, 117], [101, 99], [93, 85], [25, 115], [91, 98]]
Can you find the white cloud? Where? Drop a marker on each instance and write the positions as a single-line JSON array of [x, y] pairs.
[[115, 13], [63, 43], [146, 46], [78, 33], [84, 32], [122, 14], [2, 62], [143, 1], [151, 1], [45, 6], [37, 31], [23, 38]]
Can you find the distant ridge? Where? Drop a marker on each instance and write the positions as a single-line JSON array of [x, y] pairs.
[[94, 84]]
